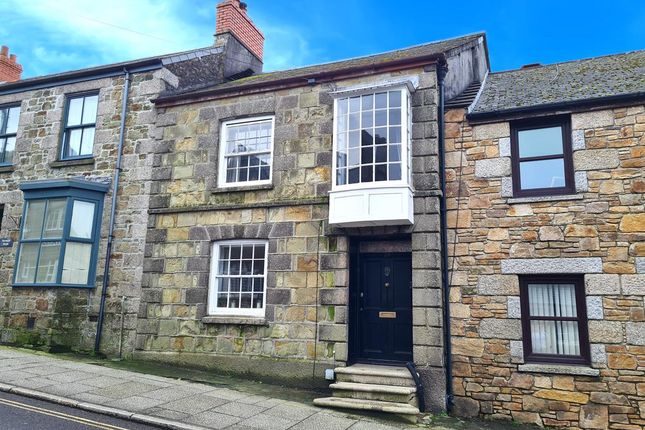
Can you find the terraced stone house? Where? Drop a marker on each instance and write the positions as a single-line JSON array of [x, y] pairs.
[[546, 177], [426, 233], [295, 223]]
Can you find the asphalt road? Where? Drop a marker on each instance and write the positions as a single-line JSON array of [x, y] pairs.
[[22, 413]]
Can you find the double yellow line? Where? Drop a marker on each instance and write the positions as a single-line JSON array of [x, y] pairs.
[[60, 415]]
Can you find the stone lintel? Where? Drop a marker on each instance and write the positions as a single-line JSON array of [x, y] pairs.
[[529, 266]]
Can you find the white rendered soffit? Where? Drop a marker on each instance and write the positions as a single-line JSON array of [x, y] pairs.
[[479, 93], [411, 82]]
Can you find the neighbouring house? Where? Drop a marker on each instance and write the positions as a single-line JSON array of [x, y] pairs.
[[71, 253], [429, 234], [546, 175]]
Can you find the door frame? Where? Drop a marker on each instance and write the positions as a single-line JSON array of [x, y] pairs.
[[353, 320]]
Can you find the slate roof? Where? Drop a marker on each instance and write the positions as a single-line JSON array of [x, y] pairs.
[[188, 65], [465, 98], [611, 76], [437, 49]]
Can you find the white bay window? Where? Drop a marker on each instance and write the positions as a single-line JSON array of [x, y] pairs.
[[371, 164]]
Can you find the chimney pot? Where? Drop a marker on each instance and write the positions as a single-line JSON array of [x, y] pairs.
[[10, 71]]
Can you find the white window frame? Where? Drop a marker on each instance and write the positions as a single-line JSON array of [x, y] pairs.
[[406, 139], [221, 177], [213, 309]]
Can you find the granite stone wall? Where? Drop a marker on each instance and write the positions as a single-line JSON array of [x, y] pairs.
[[598, 232], [64, 317], [308, 274]]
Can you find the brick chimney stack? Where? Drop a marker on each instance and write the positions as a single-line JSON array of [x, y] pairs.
[[232, 17], [10, 71]]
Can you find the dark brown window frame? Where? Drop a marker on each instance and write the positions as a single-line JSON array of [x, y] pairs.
[[564, 122], [583, 332]]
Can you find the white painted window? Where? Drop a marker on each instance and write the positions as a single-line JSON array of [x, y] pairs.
[[371, 139], [372, 183], [246, 152], [238, 278]]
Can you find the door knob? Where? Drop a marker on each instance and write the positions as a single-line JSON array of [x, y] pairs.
[[387, 284]]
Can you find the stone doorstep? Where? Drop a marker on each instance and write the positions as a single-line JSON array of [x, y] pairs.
[[378, 392], [405, 411], [375, 370], [385, 389], [100, 409], [372, 388]]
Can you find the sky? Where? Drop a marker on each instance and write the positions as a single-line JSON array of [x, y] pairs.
[[51, 36]]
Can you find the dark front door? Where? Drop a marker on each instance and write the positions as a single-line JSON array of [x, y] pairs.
[[385, 307]]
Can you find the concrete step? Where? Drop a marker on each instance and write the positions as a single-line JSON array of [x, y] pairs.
[[384, 393], [372, 374], [408, 412]]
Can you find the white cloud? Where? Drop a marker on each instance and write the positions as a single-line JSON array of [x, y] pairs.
[[109, 31], [284, 48], [59, 35]]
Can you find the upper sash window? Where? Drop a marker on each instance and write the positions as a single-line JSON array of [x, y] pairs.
[[80, 126], [8, 130], [246, 152]]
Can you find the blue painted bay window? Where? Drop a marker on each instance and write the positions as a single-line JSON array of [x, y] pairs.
[[60, 232]]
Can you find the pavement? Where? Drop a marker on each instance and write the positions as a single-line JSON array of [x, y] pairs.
[[183, 405]]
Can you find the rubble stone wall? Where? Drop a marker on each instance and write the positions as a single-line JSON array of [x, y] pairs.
[[599, 232]]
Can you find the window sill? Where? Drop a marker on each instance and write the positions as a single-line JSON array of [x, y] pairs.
[[72, 163], [242, 188], [51, 286], [7, 168], [233, 320], [558, 369], [537, 199]]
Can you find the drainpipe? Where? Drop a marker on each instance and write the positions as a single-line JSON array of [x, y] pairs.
[[445, 283], [115, 189]]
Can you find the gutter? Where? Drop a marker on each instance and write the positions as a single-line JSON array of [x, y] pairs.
[[222, 92], [115, 190], [75, 77], [445, 283], [574, 105]]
